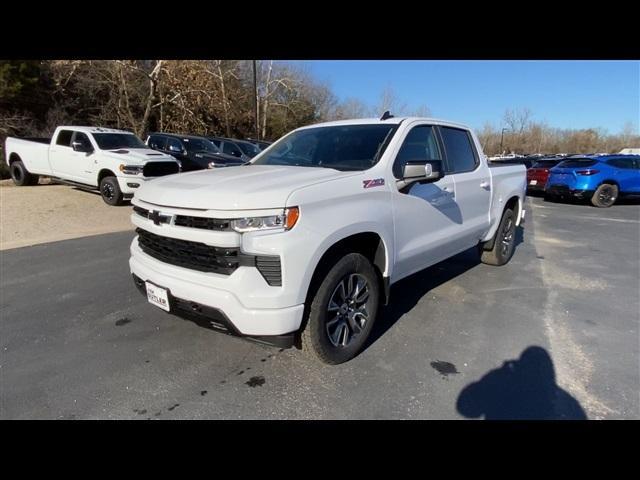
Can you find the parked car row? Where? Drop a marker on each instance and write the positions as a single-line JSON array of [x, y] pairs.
[[117, 162], [602, 179]]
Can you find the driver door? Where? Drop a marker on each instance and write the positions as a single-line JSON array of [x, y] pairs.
[[427, 218]]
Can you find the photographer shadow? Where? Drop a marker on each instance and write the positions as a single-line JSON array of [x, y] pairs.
[[522, 389]]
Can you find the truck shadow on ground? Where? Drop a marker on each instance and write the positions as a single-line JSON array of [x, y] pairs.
[[522, 389], [407, 292]]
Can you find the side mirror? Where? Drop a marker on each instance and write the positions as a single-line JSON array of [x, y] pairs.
[[80, 147], [422, 170]]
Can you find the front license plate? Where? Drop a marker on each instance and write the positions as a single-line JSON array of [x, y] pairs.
[[157, 296], [533, 182]]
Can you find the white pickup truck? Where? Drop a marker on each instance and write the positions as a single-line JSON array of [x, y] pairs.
[[114, 161], [300, 246]]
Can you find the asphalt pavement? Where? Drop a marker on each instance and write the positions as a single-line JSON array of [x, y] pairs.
[[553, 334]]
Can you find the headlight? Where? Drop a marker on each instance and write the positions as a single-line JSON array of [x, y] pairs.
[[212, 165], [131, 169], [285, 221]]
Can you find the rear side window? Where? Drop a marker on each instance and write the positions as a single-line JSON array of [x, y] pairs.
[[231, 149], [420, 144], [622, 163], [461, 155], [64, 138], [545, 164]]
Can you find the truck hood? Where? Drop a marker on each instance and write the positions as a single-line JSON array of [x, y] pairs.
[[249, 187], [137, 156]]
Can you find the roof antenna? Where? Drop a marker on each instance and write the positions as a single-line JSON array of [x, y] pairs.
[[386, 115]]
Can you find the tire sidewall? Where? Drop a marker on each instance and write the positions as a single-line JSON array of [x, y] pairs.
[[117, 195], [498, 244], [18, 168], [350, 263], [596, 200]]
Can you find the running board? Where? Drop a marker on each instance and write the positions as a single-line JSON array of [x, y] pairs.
[[71, 183]]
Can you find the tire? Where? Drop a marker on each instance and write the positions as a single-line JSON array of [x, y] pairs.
[[110, 191], [335, 332], [605, 195], [504, 242], [21, 176]]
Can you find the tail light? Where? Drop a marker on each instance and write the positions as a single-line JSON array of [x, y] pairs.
[[587, 172]]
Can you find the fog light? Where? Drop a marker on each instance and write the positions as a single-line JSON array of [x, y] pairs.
[[133, 185]]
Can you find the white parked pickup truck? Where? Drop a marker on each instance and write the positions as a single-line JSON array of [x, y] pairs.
[[114, 161], [300, 246]]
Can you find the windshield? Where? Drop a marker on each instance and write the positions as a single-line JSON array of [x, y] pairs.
[[344, 147], [200, 145], [248, 148], [114, 141]]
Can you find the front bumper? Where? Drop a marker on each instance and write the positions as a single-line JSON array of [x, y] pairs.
[[215, 319], [222, 293]]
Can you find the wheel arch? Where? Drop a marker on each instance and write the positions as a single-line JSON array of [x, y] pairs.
[[14, 157], [105, 172], [371, 244], [514, 202]]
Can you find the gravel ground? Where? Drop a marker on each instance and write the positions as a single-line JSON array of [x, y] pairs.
[[50, 212]]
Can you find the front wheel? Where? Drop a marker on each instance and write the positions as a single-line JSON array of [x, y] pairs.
[[504, 242], [110, 191], [605, 195], [342, 311]]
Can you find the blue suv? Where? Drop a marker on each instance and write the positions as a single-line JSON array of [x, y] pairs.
[[602, 179]]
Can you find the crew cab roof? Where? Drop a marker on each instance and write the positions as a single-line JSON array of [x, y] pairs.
[[95, 129], [392, 121]]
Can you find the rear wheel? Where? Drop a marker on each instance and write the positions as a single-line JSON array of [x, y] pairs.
[[342, 311], [605, 195], [504, 242], [110, 191], [21, 176]]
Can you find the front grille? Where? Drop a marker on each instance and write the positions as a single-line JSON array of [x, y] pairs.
[[205, 258], [192, 255], [215, 224], [203, 223], [159, 169]]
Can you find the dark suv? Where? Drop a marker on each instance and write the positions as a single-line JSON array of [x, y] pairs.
[[193, 152]]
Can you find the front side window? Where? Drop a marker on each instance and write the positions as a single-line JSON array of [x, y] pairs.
[[461, 155], [157, 143], [174, 145], [420, 144], [249, 149], [83, 140], [115, 141], [64, 138], [343, 147]]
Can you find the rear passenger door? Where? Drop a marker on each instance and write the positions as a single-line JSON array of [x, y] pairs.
[[472, 182], [60, 155], [626, 171]]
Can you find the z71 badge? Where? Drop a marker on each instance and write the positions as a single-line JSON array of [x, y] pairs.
[[377, 182]]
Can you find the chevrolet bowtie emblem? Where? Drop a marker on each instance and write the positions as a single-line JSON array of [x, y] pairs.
[[157, 218]]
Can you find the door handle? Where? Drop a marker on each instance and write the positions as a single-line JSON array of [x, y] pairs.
[[486, 185]]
